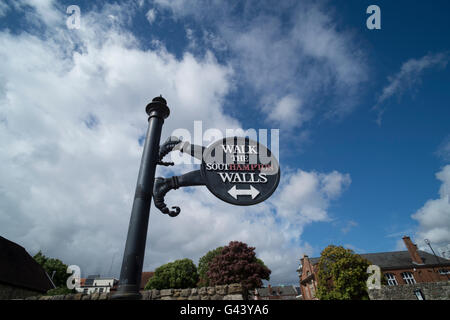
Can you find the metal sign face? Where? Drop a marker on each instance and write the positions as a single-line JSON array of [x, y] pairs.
[[240, 171]]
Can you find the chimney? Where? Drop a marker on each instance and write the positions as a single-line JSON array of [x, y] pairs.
[[412, 248], [304, 259]]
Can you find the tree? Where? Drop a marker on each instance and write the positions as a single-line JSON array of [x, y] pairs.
[[342, 275], [179, 274], [51, 265], [203, 266], [237, 263]]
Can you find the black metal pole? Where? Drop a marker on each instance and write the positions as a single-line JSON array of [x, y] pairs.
[[133, 257]]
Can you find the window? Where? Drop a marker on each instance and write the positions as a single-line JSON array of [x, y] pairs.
[[444, 271], [101, 290], [419, 294], [85, 290], [391, 279], [408, 278]]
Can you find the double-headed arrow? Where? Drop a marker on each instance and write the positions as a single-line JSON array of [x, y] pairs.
[[243, 192]]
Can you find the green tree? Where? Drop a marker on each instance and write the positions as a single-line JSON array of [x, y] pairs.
[[237, 263], [179, 274], [342, 275], [203, 266], [51, 265]]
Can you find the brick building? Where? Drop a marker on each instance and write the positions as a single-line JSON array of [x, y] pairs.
[[398, 267]]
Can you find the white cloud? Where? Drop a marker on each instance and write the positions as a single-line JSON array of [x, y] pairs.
[[305, 57], [4, 8], [409, 75], [151, 15], [176, 5], [287, 111], [349, 225], [443, 151], [69, 125], [434, 216], [67, 188], [45, 11], [306, 196]]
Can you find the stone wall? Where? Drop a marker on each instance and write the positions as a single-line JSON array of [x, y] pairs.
[[225, 292], [8, 292], [431, 291]]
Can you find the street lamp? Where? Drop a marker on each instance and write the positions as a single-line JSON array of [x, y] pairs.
[[133, 257]]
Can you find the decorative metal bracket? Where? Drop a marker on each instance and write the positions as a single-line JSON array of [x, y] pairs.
[[231, 168], [164, 185]]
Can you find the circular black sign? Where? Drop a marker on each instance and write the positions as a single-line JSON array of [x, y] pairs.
[[240, 171]]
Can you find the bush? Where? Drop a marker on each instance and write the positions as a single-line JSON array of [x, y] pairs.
[[179, 274], [237, 263], [203, 266], [342, 275]]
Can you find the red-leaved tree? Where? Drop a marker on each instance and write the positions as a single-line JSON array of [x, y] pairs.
[[237, 263]]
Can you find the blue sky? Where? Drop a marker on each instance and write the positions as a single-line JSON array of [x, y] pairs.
[[363, 118]]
